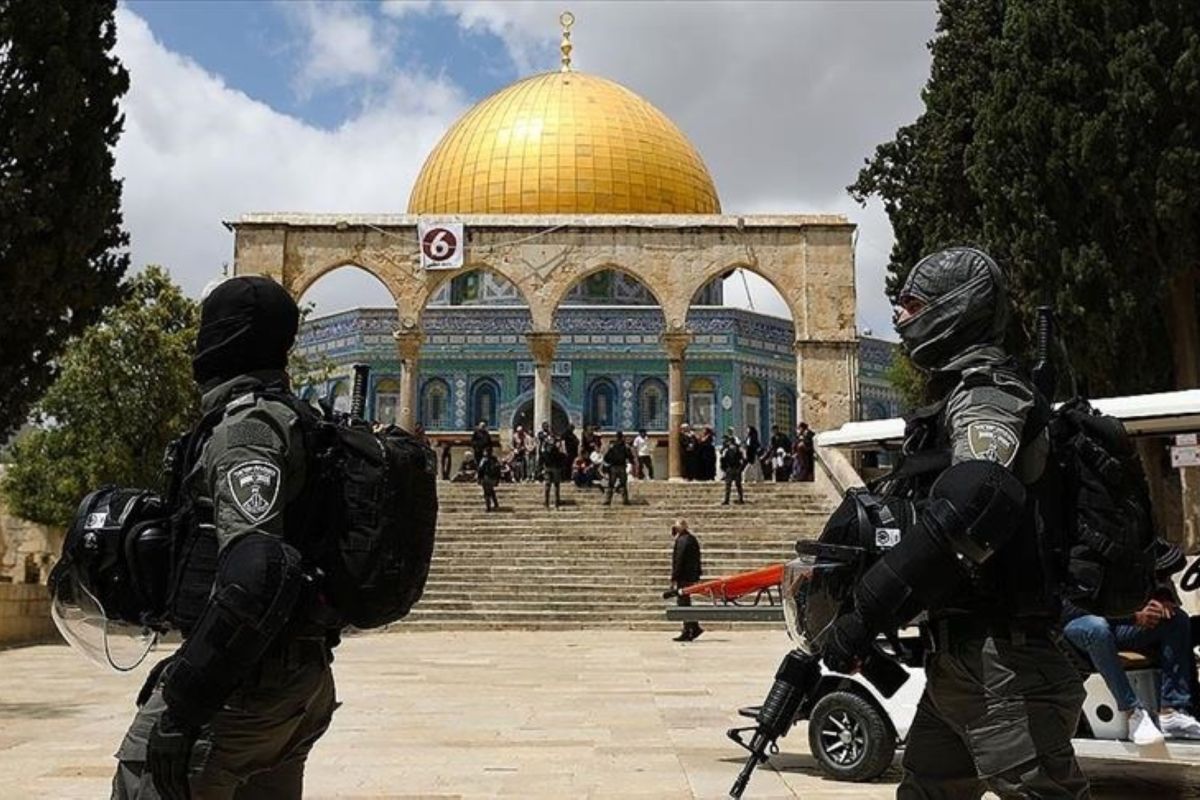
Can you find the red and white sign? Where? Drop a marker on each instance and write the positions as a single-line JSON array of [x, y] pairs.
[[441, 244]]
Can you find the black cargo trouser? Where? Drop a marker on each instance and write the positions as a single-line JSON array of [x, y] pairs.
[[691, 627], [733, 477], [998, 714], [489, 494], [617, 477], [646, 464], [255, 747], [553, 477]]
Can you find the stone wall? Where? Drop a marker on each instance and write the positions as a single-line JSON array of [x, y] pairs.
[[27, 550], [25, 615]]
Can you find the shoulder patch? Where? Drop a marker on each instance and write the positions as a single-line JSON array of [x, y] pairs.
[[991, 441], [254, 486]]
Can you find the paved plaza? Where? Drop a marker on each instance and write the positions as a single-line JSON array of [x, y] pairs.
[[620, 714]]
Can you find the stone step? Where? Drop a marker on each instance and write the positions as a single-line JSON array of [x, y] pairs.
[[451, 623], [587, 565]]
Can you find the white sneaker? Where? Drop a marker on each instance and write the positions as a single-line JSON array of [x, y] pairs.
[[1142, 730], [1179, 725]]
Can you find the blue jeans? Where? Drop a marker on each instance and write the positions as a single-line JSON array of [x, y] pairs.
[[1172, 638]]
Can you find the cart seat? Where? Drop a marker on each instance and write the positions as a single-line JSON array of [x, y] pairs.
[[1134, 660]]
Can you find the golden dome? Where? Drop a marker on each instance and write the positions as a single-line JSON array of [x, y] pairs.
[[564, 143]]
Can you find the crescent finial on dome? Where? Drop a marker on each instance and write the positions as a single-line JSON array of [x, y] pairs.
[[566, 19]]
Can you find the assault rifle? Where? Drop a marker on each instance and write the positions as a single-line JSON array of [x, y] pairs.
[[358, 399], [795, 681], [358, 391], [1044, 372]]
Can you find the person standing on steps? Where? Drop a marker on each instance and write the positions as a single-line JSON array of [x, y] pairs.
[[643, 448], [489, 476], [551, 458], [805, 453], [617, 460], [732, 464], [446, 459], [570, 444], [686, 569], [480, 440], [753, 451]]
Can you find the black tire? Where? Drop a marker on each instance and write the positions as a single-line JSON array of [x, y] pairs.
[[850, 738]]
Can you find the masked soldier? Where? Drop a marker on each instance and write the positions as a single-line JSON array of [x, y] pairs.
[[236, 710], [1001, 700]]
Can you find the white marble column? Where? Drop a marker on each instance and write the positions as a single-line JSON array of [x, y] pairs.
[[675, 344], [542, 346], [408, 344]]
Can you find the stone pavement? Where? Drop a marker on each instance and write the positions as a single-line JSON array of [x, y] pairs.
[[563, 714]]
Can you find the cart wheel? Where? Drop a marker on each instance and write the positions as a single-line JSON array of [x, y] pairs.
[[850, 738]]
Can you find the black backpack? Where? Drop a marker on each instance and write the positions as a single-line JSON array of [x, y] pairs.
[[1109, 563], [364, 522]]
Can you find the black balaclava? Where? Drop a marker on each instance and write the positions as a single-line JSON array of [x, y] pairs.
[[247, 323], [966, 307]]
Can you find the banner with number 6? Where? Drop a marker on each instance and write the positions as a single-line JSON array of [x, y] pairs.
[[441, 244]]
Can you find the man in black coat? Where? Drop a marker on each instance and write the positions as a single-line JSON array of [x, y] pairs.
[[685, 570], [480, 440], [617, 460], [779, 439]]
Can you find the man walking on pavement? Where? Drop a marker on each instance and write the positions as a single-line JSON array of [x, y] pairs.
[[686, 569]]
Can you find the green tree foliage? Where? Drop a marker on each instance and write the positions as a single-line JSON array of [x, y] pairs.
[[124, 391], [60, 219], [1063, 136], [904, 376], [921, 174]]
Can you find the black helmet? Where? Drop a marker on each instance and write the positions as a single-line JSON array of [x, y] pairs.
[[966, 307], [109, 588], [818, 587], [247, 323]]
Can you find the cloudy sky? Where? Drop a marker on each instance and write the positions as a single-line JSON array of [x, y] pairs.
[[289, 106]]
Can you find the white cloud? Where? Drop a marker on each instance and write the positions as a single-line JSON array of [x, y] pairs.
[[399, 8], [196, 152], [341, 44], [783, 100]]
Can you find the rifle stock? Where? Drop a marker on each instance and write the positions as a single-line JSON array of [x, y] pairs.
[[795, 681]]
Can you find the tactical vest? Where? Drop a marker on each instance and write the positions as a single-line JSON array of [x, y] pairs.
[[1023, 579]]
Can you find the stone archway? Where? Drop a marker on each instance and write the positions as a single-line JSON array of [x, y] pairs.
[[808, 258]]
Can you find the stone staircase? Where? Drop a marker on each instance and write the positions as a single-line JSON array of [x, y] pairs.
[[587, 565]]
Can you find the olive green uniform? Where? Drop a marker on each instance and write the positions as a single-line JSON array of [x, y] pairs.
[[1001, 701], [256, 745]]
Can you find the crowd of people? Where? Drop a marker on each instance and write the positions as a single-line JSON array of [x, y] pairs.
[[782, 458], [584, 460]]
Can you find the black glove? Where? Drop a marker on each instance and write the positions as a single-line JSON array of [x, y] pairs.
[[168, 752], [847, 641]]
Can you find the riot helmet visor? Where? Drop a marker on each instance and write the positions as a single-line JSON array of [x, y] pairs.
[[82, 621]]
